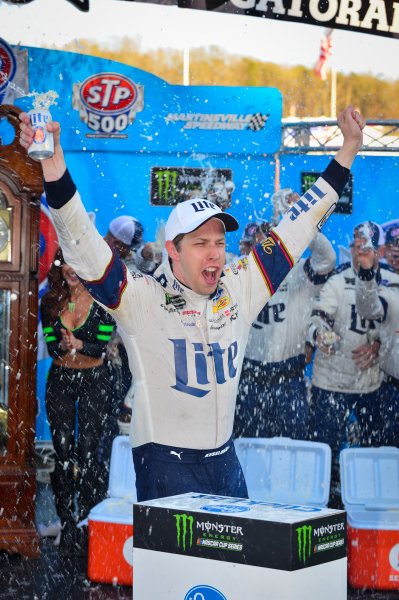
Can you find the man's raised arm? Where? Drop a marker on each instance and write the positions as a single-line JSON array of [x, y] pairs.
[[83, 247], [351, 124], [303, 219]]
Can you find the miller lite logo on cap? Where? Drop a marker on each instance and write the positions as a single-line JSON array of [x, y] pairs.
[[190, 214], [108, 103]]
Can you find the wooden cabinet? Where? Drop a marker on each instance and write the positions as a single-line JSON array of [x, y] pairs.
[[20, 190]]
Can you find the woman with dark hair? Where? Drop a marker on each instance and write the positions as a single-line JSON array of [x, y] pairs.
[[78, 396]]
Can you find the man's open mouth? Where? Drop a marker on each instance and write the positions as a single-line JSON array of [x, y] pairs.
[[210, 274]]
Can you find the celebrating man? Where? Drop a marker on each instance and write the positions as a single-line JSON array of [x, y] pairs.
[[185, 329]]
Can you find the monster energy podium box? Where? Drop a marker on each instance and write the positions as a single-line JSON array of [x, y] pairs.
[[200, 547]]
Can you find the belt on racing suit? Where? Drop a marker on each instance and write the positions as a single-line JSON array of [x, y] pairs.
[[185, 455]]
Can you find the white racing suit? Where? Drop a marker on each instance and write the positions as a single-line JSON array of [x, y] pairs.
[[335, 309], [186, 350], [339, 387], [272, 397], [377, 297]]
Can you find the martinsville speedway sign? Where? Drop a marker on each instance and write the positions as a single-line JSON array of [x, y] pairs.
[[377, 17]]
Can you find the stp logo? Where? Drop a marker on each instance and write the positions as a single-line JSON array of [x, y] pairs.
[[8, 65], [108, 102]]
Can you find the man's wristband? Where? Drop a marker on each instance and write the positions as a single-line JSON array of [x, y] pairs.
[[337, 176], [59, 192]]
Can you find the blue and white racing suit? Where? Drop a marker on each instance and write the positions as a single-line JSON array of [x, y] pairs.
[[339, 386], [377, 297], [186, 350]]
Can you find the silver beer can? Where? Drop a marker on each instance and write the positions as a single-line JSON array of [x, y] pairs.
[[43, 142], [331, 340]]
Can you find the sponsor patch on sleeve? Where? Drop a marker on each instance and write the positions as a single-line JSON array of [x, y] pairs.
[[109, 288], [273, 261]]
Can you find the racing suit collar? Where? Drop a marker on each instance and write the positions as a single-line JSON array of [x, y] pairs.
[[165, 276]]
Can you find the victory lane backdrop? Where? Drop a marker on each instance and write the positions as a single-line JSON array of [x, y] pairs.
[[118, 122], [142, 143], [136, 145]]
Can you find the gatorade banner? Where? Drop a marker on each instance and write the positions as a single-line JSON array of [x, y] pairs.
[[377, 17]]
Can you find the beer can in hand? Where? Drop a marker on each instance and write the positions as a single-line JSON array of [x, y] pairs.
[[331, 340], [43, 141]]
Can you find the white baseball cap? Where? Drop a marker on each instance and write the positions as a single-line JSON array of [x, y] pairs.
[[190, 214], [123, 228]]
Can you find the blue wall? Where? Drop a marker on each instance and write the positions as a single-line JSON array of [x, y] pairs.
[[113, 175], [375, 190]]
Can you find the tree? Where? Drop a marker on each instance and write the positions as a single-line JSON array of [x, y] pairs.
[[304, 94]]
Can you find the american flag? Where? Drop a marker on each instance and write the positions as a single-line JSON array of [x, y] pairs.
[[322, 67]]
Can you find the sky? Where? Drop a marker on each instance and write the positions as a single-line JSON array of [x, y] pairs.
[[46, 22]]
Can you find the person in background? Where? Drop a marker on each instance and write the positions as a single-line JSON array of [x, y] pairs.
[[272, 397], [219, 192], [345, 374], [391, 253], [252, 234], [186, 328], [387, 274], [379, 300], [77, 331], [125, 235]]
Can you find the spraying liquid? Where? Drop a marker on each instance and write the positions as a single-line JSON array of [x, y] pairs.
[[42, 146], [158, 245], [10, 84], [44, 100], [366, 233]]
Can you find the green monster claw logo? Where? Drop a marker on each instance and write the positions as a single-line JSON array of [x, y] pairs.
[[304, 542], [182, 533], [165, 179]]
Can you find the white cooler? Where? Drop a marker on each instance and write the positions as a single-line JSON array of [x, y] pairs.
[[200, 547], [111, 521], [286, 470]]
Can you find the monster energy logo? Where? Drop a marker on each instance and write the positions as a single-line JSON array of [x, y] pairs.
[[184, 533], [171, 185], [166, 179], [304, 542]]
